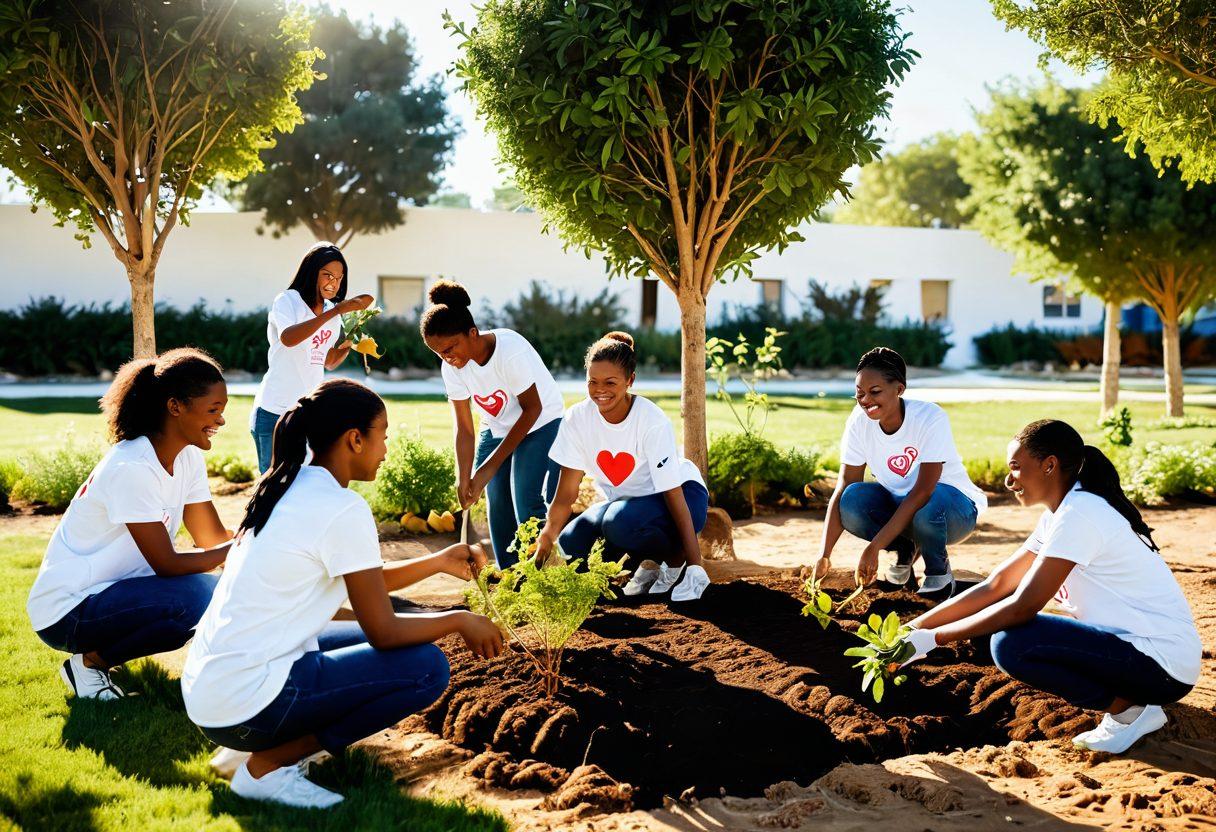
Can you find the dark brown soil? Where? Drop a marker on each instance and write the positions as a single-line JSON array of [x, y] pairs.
[[735, 692]]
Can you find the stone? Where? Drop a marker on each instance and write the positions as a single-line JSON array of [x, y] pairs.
[[717, 538]]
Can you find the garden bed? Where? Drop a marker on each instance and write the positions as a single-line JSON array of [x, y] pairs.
[[728, 695]]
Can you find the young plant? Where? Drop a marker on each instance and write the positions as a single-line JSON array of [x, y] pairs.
[[886, 648], [819, 606], [541, 608], [733, 361], [354, 324], [1117, 427]]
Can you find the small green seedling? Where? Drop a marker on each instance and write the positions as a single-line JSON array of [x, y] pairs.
[[819, 606], [886, 648]]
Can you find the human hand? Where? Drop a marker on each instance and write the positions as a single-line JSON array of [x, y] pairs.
[[867, 566], [355, 304], [544, 547], [460, 561], [346, 344], [481, 636]]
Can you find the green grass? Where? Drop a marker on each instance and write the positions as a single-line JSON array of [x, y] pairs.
[[139, 764]]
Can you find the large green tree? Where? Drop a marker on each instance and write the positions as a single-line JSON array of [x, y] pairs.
[[1057, 190], [1161, 59], [681, 138], [373, 139], [116, 113], [918, 186]]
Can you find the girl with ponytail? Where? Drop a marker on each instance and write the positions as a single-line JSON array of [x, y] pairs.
[[657, 501], [518, 404], [113, 585], [271, 676], [1127, 642]]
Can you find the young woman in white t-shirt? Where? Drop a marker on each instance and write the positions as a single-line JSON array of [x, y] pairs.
[[271, 673], [921, 499], [304, 329], [113, 585], [518, 404], [657, 501], [1126, 643]]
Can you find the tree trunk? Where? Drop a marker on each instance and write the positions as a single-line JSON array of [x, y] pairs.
[[1171, 348], [1111, 346], [692, 363], [143, 312]]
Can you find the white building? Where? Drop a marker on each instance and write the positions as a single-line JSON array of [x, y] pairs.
[[930, 274]]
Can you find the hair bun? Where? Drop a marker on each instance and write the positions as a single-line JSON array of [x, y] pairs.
[[624, 337], [449, 293]]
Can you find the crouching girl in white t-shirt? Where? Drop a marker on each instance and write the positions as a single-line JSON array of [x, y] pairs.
[[1127, 642], [270, 672], [113, 586], [657, 502]]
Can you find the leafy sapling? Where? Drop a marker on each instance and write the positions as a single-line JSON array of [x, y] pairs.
[[819, 606], [886, 648], [354, 324]]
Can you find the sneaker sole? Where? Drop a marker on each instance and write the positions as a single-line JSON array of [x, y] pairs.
[[65, 673]]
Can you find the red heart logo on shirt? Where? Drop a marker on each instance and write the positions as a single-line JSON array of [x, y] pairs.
[[493, 403], [911, 452], [901, 464], [616, 467]]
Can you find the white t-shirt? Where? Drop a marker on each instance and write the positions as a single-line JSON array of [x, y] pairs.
[[1119, 584], [294, 371], [494, 388], [92, 548], [895, 459], [636, 458], [278, 591]]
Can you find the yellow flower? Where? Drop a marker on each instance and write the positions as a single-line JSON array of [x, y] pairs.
[[368, 346]]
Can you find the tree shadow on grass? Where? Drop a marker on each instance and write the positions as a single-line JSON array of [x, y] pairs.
[[63, 809]]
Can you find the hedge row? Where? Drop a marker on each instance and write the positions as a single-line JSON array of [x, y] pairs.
[[1003, 346]]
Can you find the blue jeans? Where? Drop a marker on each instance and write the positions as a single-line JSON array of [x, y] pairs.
[[342, 693], [133, 618], [522, 487], [641, 526], [263, 436], [1087, 666], [948, 517]]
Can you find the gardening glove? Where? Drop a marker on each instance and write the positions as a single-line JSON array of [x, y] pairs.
[[923, 642]]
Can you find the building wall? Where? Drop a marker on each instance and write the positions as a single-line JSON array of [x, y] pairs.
[[221, 260]]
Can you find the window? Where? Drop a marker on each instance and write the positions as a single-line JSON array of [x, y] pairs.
[[935, 300], [401, 295], [650, 301], [1059, 304], [771, 292]]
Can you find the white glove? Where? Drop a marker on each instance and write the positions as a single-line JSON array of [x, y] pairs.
[[924, 642]]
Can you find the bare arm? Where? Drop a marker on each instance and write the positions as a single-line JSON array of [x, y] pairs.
[[559, 511], [335, 357], [204, 524], [154, 544], [832, 527], [301, 332], [458, 560], [998, 586], [529, 402], [466, 447]]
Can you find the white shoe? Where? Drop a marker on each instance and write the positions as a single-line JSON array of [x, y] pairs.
[[1114, 737], [668, 577], [226, 761], [286, 785], [643, 577], [937, 584], [692, 585], [898, 573], [88, 682]]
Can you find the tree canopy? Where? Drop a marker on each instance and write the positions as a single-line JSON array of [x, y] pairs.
[[373, 139], [918, 186], [1161, 59]]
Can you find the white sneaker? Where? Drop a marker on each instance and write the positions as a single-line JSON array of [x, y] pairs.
[[642, 578], [668, 577], [225, 761], [898, 573], [88, 682], [286, 785], [692, 585], [1114, 737], [937, 584]]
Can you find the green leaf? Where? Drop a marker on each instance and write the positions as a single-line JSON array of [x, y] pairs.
[[879, 687]]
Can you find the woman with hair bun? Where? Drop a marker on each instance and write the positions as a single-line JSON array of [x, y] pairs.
[[657, 501], [519, 406], [113, 585], [921, 499], [1126, 643]]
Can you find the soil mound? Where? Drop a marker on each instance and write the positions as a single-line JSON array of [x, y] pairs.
[[733, 692]]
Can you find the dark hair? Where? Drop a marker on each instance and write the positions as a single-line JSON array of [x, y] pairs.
[[305, 281], [317, 421], [449, 312], [134, 405], [616, 347], [887, 362], [1084, 465]]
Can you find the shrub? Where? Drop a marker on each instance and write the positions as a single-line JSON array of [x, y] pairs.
[[232, 467], [746, 471], [53, 477], [1002, 346], [796, 470], [415, 477], [1117, 427], [988, 474], [1155, 471], [10, 472]]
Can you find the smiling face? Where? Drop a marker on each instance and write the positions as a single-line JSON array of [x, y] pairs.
[[370, 448], [456, 350], [198, 419], [1032, 481], [329, 279], [877, 396], [608, 386]]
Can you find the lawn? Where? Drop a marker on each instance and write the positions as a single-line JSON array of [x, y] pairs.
[[981, 429], [139, 763]]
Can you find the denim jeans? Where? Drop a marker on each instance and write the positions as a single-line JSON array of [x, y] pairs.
[[342, 693], [522, 487], [263, 436], [134, 618], [1082, 664], [641, 526], [948, 517]]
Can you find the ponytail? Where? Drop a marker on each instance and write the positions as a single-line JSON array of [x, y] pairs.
[[317, 421], [1085, 466], [135, 403]]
